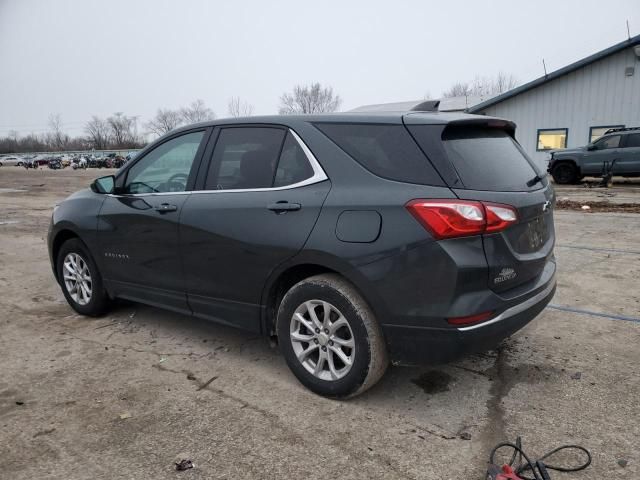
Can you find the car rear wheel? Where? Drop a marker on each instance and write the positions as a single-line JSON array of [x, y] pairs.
[[80, 279], [565, 173], [330, 337]]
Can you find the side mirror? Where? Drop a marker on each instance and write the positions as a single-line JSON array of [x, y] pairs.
[[591, 146], [104, 184]]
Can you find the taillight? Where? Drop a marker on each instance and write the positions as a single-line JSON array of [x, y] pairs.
[[499, 217], [461, 218]]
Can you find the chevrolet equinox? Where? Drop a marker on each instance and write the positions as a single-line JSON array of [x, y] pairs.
[[356, 239]]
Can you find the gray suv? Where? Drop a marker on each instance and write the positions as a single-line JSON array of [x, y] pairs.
[[618, 149], [356, 239]]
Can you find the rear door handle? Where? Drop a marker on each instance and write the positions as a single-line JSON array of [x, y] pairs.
[[284, 206], [165, 207]]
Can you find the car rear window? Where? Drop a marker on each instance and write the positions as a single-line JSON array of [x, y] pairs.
[[385, 150], [487, 159]]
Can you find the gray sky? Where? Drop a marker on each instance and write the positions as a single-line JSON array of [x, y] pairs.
[[86, 57]]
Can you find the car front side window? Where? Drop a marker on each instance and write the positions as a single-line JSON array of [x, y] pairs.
[[166, 168], [608, 143]]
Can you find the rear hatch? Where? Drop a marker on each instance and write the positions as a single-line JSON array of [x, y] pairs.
[[479, 160]]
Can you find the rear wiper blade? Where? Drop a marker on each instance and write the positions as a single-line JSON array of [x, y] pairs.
[[534, 180]]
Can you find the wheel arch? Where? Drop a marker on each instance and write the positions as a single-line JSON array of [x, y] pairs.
[[285, 277], [58, 240], [566, 160]]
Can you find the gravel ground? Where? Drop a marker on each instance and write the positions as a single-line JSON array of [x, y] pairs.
[[128, 394]]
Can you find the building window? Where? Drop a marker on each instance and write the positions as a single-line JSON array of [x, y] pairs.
[[596, 132], [552, 138]]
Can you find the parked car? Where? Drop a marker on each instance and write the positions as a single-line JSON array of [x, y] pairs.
[[55, 164], [41, 161], [97, 162], [80, 162], [130, 156], [30, 163], [114, 162], [619, 145], [10, 162], [355, 239]]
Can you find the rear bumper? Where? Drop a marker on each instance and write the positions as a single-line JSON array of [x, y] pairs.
[[411, 345]]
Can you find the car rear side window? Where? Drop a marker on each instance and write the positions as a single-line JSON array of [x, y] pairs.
[[633, 140], [245, 158], [488, 159], [385, 150], [293, 166]]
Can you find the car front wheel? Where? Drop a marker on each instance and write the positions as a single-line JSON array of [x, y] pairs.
[[80, 280], [330, 337], [565, 173]]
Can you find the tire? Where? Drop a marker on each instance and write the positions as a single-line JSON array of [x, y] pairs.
[[19, 164], [74, 252], [360, 339], [565, 173]]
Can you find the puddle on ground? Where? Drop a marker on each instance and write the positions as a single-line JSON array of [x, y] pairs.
[[433, 382]]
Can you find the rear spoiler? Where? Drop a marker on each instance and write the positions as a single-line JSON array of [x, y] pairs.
[[498, 123]]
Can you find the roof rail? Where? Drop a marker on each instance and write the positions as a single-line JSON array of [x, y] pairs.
[[621, 129]]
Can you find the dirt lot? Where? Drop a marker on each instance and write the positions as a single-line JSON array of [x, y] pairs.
[[123, 396]]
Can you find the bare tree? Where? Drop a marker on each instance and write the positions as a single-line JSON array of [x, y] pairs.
[[309, 99], [482, 86], [239, 108], [504, 82], [164, 121], [98, 131], [124, 130], [197, 111], [58, 138], [458, 89], [117, 131]]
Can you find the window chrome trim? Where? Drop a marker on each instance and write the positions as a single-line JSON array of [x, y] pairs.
[[318, 176], [150, 194]]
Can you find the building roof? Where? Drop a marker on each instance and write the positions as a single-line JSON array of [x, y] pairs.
[[557, 74]]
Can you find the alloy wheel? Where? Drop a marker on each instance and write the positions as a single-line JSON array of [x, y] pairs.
[[77, 278], [322, 340]]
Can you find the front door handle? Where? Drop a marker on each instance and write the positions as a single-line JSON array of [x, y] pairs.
[[165, 207], [284, 206]]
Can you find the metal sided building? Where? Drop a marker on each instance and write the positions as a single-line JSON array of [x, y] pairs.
[[576, 104]]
